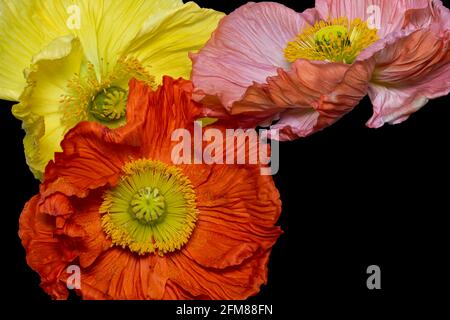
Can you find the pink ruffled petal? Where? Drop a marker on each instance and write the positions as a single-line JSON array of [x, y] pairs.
[[441, 18], [317, 94], [296, 123], [307, 98], [392, 12], [247, 47], [410, 70]]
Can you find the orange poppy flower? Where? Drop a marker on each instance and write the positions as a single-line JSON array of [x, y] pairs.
[[140, 227]]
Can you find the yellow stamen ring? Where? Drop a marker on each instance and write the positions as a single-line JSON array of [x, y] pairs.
[[337, 40], [104, 100], [151, 210]]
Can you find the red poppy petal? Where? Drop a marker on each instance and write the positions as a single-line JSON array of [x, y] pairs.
[[119, 274], [93, 157], [234, 283], [45, 253], [238, 210]]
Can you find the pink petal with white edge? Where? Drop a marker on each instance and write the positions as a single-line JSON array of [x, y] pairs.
[[386, 15], [409, 71], [247, 47], [295, 123]]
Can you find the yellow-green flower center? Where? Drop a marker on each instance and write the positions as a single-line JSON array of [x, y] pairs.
[[102, 100], [151, 210], [327, 34], [110, 104], [148, 205], [337, 40]]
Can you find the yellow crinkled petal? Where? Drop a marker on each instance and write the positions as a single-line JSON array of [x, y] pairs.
[[103, 26], [165, 40], [25, 28], [107, 27], [39, 106]]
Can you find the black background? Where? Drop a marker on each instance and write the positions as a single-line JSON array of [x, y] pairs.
[[352, 197]]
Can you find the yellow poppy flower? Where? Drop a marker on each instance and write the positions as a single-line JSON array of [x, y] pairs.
[[67, 61]]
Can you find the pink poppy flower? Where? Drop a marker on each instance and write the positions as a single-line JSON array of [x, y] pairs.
[[268, 63]]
